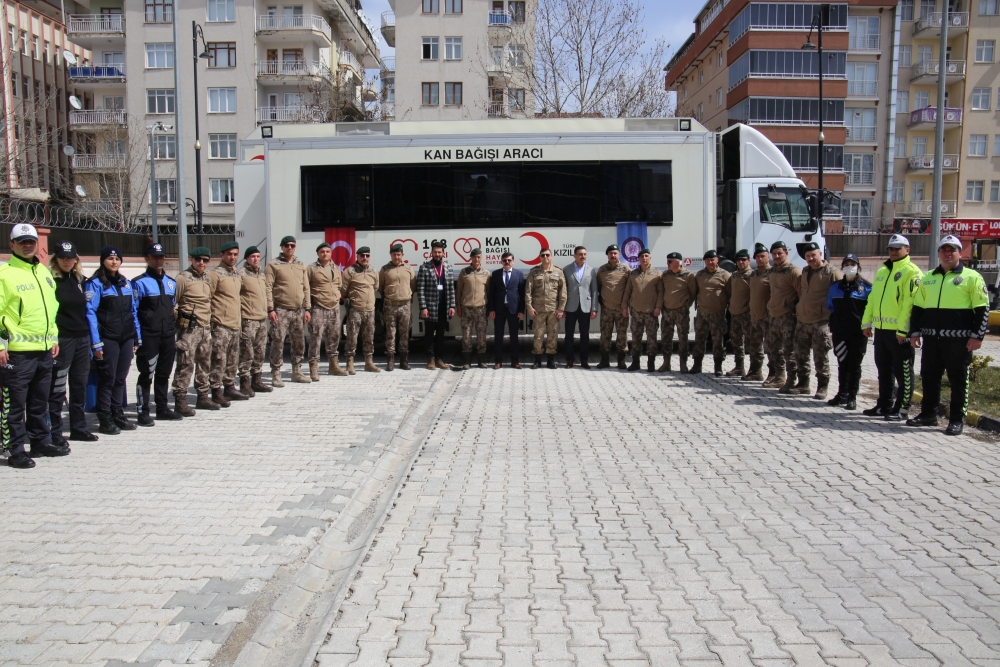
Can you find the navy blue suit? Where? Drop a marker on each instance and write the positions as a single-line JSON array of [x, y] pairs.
[[506, 301]]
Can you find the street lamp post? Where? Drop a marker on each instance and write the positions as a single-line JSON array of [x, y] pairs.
[[182, 241], [821, 17], [153, 191], [196, 32], [936, 192]]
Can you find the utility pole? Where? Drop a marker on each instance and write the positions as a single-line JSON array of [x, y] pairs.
[[182, 240], [935, 230]]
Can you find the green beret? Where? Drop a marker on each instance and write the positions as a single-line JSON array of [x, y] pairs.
[[476, 251], [230, 245], [711, 254], [322, 245], [396, 247], [645, 251], [288, 239], [250, 251], [199, 251], [778, 244], [806, 247], [743, 254], [759, 248], [610, 248], [676, 255], [364, 249]]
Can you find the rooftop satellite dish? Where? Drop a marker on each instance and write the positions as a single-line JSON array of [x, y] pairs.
[[80, 192], [75, 102], [69, 57], [68, 150]]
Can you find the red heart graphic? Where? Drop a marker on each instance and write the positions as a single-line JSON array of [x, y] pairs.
[[463, 248]]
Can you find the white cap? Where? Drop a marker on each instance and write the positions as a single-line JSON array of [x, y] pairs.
[[898, 241], [23, 231], [951, 240]]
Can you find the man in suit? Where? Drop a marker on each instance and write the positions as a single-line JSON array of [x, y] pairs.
[[581, 305], [436, 292], [506, 307]]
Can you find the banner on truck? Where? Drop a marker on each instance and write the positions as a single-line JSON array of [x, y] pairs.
[[631, 240]]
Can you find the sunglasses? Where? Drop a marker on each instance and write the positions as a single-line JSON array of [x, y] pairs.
[[200, 260], [546, 255], [288, 245], [363, 254], [508, 259]]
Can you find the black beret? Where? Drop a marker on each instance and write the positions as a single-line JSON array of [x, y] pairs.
[[711, 254], [252, 250], [812, 245], [230, 245], [759, 248], [322, 245], [779, 244], [744, 254], [675, 255], [397, 247], [476, 251], [610, 248]]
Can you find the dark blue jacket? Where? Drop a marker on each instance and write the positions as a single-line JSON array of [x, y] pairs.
[[514, 292], [846, 302], [156, 295], [111, 311]]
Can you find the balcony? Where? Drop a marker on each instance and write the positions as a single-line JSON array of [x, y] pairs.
[[864, 43], [93, 120], [88, 30], [388, 111], [98, 163], [924, 164], [926, 118], [291, 72], [930, 25], [860, 135], [388, 68], [292, 114], [278, 28], [498, 110], [863, 89], [354, 27], [859, 177], [349, 61], [924, 208], [389, 28], [499, 70], [104, 75], [926, 71], [500, 21]]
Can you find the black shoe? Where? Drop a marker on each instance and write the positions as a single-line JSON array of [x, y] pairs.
[[877, 411], [83, 436], [47, 449], [923, 420], [145, 420], [20, 460], [59, 441], [894, 417], [108, 426], [836, 400], [954, 428], [538, 361], [551, 363], [122, 422], [851, 404], [166, 414]]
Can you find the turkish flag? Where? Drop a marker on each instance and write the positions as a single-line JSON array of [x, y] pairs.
[[341, 240]]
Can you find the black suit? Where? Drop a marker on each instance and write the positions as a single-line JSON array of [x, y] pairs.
[[507, 301]]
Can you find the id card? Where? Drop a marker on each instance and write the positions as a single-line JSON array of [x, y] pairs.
[[440, 288]]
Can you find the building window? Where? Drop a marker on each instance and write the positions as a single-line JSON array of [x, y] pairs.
[[905, 54], [516, 9], [921, 99], [919, 146], [900, 146], [718, 97], [988, 7], [429, 94], [13, 84], [786, 64], [222, 146], [974, 191], [516, 96], [984, 50], [517, 55], [220, 191], [902, 101], [453, 94], [35, 51], [927, 7], [221, 10], [222, 54], [996, 145], [160, 56], [166, 146], [452, 6], [857, 213], [804, 157], [160, 100], [718, 64], [430, 48], [166, 191], [863, 33], [862, 79], [906, 10], [24, 42], [221, 100], [452, 48], [897, 190], [159, 11], [701, 111], [701, 76], [917, 191], [430, 6], [994, 191], [981, 99], [787, 111], [784, 16], [977, 145]]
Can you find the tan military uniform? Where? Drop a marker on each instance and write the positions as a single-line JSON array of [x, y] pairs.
[[739, 312], [757, 339], [812, 331], [611, 283], [193, 302], [287, 296], [397, 284], [784, 282], [643, 295], [712, 300], [324, 318], [253, 325], [226, 314], [470, 294], [359, 286], [679, 290], [545, 292]]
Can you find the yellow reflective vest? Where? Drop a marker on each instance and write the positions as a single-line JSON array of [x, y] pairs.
[[891, 301], [27, 306]]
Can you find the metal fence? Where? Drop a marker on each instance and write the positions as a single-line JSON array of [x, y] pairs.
[[872, 245]]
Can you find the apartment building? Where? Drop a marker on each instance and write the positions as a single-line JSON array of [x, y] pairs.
[[457, 59], [257, 62]]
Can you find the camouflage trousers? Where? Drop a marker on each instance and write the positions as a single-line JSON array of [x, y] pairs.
[[225, 356], [545, 325], [474, 320], [739, 332], [643, 322], [290, 323], [397, 319], [253, 345], [324, 325], [756, 339], [814, 338], [781, 342], [679, 319], [363, 321], [194, 357], [613, 321], [710, 324]]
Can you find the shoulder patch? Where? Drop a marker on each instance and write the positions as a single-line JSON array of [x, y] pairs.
[[958, 280], [89, 294], [899, 274]]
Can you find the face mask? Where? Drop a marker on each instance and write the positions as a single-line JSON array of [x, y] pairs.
[[850, 272]]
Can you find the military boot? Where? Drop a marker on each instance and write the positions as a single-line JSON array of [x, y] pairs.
[[777, 380], [257, 384], [314, 370], [246, 387], [771, 374], [481, 360], [621, 360], [651, 363], [718, 366], [665, 366], [219, 397], [754, 374], [788, 385], [739, 370], [108, 426], [551, 361], [696, 365], [276, 380], [466, 361], [390, 361], [164, 413], [636, 362], [350, 364], [335, 368], [683, 367], [370, 365], [605, 361], [822, 383], [297, 375], [120, 420], [205, 402], [231, 393], [182, 408], [803, 385], [404, 361], [538, 361]]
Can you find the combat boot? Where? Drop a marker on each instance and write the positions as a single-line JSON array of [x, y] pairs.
[[440, 365], [770, 375], [538, 361], [621, 360], [822, 385], [431, 366], [739, 370], [651, 363], [350, 365], [166, 414], [466, 361], [636, 362], [803, 386], [370, 365], [551, 363], [683, 367], [718, 366], [390, 362], [276, 380], [314, 370], [696, 365], [665, 366], [143, 418], [108, 426], [777, 380], [121, 421], [217, 397], [205, 402], [481, 360], [182, 408], [605, 361], [404, 361], [335, 368], [297, 375], [257, 384], [789, 384], [246, 388], [754, 374], [231, 393]]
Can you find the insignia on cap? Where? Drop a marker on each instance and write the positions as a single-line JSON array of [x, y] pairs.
[[67, 246]]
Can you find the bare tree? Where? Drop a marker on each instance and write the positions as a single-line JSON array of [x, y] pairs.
[[345, 97], [116, 176]]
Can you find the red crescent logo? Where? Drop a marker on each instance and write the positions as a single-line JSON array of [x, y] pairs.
[[463, 247], [257, 158], [542, 243]]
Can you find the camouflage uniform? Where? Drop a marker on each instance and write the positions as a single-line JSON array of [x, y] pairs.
[[194, 357], [756, 339], [739, 332], [362, 321], [706, 324], [474, 319], [225, 356], [324, 324], [817, 339], [611, 284], [612, 321], [781, 342], [545, 293], [643, 296], [397, 283], [714, 290], [643, 322], [675, 318], [253, 346], [290, 324], [397, 318]]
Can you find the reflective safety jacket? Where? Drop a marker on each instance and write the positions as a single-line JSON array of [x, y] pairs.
[[951, 304], [891, 301], [28, 306]]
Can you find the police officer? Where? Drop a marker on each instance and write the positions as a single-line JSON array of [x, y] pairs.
[[760, 294], [194, 338], [846, 301], [784, 283], [253, 323], [470, 295], [155, 292], [739, 311], [288, 305], [612, 278], [436, 294], [359, 284], [396, 282], [325, 284], [226, 326], [887, 320], [950, 315], [29, 341], [641, 302], [545, 299], [812, 329], [711, 299], [679, 289]]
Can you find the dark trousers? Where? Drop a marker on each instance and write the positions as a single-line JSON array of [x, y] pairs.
[[26, 379], [850, 351], [945, 355], [894, 361], [155, 360], [579, 318], [70, 372], [434, 334], [111, 373], [511, 321]]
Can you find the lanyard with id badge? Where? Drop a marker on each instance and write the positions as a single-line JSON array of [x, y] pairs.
[[439, 272]]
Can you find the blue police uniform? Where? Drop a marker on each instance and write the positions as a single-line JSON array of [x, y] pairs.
[[155, 294], [114, 330]]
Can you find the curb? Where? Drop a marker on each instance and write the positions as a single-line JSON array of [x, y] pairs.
[[972, 418]]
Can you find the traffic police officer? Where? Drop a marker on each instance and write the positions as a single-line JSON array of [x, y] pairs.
[[155, 292], [712, 297], [612, 279], [396, 282], [739, 311], [641, 303], [679, 289]]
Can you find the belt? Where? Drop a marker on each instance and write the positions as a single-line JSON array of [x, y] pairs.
[[398, 302]]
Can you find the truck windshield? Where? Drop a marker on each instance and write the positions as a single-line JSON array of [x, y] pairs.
[[792, 213]]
